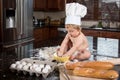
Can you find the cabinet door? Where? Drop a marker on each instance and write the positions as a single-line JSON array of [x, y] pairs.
[[53, 32], [45, 33], [9, 4], [55, 5], [38, 35], [39, 5], [91, 33]]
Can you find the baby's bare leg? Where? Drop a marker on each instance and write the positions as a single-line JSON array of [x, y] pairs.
[[84, 55]]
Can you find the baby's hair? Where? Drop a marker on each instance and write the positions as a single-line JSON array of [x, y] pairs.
[[77, 27]]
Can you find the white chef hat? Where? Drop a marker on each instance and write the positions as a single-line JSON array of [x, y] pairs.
[[74, 13]]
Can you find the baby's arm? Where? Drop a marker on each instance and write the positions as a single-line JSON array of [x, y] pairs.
[[71, 51], [64, 46]]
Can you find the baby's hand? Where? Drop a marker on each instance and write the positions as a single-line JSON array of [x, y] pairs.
[[59, 53], [65, 55]]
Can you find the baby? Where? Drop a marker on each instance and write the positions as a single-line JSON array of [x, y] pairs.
[[75, 44]]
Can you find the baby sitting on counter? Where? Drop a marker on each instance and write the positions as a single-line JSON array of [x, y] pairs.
[[75, 44]]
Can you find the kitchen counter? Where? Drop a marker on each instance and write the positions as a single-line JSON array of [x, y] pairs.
[[105, 29], [97, 29]]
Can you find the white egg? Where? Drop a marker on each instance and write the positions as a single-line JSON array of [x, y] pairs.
[[17, 62], [38, 69], [35, 65], [23, 63], [26, 67], [48, 67], [41, 65], [29, 64], [19, 66], [45, 70], [13, 65]]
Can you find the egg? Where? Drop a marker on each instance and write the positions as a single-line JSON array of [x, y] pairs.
[[13, 65], [29, 64], [17, 62], [48, 67], [45, 70], [23, 63], [38, 69], [26, 67], [19, 66], [35, 65], [41, 65]]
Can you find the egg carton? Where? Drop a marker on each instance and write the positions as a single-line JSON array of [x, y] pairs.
[[28, 65]]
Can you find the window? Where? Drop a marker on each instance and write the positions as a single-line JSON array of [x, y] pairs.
[[109, 9]]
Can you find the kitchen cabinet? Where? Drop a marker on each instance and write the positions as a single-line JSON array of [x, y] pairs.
[[90, 33], [54, 5], [39, 5], [40, 35], [49, 5], [9, 4], [101, 33], [53, 32]]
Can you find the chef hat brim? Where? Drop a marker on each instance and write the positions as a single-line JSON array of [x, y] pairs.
[[73, 20]]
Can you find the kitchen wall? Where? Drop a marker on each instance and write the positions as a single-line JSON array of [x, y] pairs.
[[52, 15]]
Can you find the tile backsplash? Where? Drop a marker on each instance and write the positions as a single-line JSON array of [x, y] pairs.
[[52, 15], [89, 23]]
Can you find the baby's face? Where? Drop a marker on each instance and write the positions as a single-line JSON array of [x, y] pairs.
[[73, 32]]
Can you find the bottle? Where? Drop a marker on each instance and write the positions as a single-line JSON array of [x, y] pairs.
[[100, 24]]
